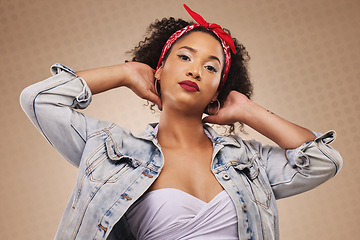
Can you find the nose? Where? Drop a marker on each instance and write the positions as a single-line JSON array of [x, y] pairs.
[[194, 71]]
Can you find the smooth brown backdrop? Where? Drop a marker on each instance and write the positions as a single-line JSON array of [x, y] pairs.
[[305, 67]]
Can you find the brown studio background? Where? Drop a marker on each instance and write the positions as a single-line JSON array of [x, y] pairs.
[[305, 67]]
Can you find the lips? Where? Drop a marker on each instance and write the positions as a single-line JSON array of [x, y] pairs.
[[189, 86]]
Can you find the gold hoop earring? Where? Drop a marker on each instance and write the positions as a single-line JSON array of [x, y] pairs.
[[218, 107], [157, 86]]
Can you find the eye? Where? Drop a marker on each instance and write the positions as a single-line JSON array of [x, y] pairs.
[[183, 57], [211, 68]]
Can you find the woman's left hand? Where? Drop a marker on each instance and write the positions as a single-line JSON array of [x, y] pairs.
[[234, 110], [238, 108]]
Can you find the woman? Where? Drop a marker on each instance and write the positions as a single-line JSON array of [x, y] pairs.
[[178, 179]]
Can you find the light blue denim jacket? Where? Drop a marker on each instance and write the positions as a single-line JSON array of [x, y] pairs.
[[116, 167]]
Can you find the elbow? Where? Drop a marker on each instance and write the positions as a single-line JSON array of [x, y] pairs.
[[333, 159], [317, 155], [317, 159], [312, 164], [26, 101], [329, 155], [320, 168]]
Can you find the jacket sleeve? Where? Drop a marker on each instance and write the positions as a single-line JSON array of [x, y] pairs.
[[294, 171], [50, 105]]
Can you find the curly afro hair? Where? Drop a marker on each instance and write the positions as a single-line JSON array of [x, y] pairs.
[[148, 51]]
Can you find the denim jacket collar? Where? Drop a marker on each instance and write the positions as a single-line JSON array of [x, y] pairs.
[[150, 134]]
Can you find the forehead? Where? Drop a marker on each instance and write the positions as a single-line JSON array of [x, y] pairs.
[[202, 42]]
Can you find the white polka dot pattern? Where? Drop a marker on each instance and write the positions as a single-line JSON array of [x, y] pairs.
[[305, 67]]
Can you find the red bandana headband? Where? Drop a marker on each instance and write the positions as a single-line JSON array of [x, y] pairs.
[[225, 39]]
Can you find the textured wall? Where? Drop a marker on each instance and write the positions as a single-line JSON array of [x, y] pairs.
[[305, 66]]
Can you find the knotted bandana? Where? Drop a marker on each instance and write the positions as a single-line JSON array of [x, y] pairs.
[[225, 39]]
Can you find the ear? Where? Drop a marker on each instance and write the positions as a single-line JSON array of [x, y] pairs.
[[159, 71]]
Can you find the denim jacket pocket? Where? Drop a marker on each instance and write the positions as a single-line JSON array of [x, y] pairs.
[[102, 166], [254, 183], [108, 165], [115, 154]]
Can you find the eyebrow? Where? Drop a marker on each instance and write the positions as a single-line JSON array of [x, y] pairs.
[[194, 51]]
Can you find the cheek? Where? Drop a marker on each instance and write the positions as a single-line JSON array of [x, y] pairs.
[[170, 69], [215, 82]]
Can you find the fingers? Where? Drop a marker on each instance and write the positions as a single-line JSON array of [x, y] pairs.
[[211, 119], [152, 97], [221, 118], [155, 99], [206, 120], [142, 83]]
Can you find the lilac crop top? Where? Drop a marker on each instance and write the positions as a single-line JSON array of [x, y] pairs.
[[170, 213]]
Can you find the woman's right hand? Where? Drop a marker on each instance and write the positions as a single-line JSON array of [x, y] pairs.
[[139, 77]]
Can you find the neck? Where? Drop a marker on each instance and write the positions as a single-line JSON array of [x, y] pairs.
[[179, 130]]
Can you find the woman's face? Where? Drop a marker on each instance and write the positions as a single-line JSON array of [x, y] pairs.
[[191, 74]]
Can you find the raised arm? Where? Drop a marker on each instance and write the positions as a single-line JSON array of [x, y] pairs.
[[50, 104], [138, 77], [301, 162], [238, 108]]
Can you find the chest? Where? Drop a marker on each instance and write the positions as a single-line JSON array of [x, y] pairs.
[[117, 173], [189, 171], [188, 159]]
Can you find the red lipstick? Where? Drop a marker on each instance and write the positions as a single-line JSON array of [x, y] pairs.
[[189, 86]]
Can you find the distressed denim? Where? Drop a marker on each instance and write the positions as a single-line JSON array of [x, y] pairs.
[[116, 167]]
